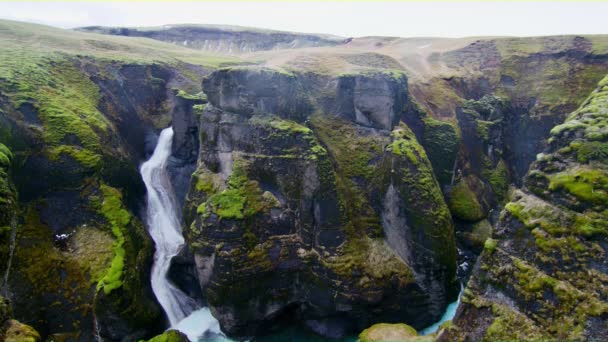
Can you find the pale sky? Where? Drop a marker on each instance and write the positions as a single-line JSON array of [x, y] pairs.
[[403, 19]]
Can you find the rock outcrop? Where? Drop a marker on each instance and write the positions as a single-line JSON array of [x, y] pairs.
[[319, 207], [12, 330], [383, 332], [544, 273]]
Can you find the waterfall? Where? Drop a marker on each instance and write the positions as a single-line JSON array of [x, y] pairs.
[[165, 229], [164, 226]]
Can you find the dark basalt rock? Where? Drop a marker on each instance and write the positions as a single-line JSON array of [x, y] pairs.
[[285, 209], [543, 275]]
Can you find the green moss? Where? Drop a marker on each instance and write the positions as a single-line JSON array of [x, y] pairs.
[[170, 336], [53, 275], [405, 144], [509, 325], [5, 156], [228, 204], [7, 190], [482, 231], [591, 151], [463, 203], [118, 217], [536, 214], [498, 177], [198, 110], [426, 210], [182, 94], [586, 184], [490, 245], [352, 151], [441, 141], [352, 172], [483, 129], [85, 157], [289, 126], [242, 198]]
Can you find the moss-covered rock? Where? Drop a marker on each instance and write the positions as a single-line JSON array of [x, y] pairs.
[[283, 197], [19, 332], [170, 336], [383, 332], [464, 204], [12, 330], [542, 275]]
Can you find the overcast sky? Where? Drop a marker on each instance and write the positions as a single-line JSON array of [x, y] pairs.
[[404, 19]]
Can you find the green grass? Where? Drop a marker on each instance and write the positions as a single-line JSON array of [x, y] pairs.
[[47, 41]]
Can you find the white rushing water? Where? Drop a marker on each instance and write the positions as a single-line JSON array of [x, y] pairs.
[[165, 228]]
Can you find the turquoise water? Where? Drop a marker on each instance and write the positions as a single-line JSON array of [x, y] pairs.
[[450, 312], [201, 320]]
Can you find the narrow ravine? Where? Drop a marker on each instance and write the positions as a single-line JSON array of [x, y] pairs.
[[164, 226], [449, 313]]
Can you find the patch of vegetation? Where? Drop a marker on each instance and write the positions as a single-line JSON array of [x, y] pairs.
[[242, 198], [509, 324], [186, 96], [352, 151], [463, 203], [86, 158], [425, 206], [441, 141], [498, 177], [586, 184], [490, 245], [119, 218], [7, 191], [170, 336], [591, 151]]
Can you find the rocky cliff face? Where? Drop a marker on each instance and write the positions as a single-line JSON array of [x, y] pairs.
[[318, 184], [78, 128], [299, 181], [544, 272]]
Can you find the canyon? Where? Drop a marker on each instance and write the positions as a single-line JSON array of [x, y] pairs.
[[258, 181]]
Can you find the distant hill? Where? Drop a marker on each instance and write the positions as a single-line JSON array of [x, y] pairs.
[[221, 38]]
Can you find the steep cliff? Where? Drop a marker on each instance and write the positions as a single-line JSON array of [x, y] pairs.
[[78, 120], [306, 203], [543, 275]]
